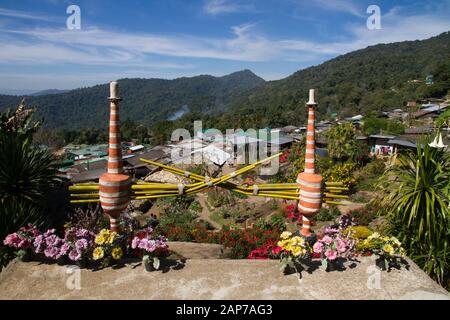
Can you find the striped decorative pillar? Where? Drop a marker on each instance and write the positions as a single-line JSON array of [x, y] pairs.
[[310, 183], [115, 186]]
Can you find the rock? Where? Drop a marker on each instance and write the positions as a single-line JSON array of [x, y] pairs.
[[217, 279], [141, 205]]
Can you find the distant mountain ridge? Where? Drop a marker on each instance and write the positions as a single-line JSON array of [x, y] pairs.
[[48, 91], [144, 100], [372, 79], [376, 78]]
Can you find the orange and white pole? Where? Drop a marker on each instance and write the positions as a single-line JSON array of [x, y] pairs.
[[114, 186], [310, 183]]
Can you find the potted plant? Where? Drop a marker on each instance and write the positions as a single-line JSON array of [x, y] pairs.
[[22, 241], [294, 252], [108, 247], [388, 249], [79, 244], [150, 247], [51, 246], [333, 246]]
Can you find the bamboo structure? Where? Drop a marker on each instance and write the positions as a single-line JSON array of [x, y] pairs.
[[115, 189]]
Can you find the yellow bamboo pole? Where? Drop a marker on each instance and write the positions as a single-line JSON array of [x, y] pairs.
[[332, 195]]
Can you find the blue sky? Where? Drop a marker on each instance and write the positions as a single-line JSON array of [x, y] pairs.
[[174, 38]]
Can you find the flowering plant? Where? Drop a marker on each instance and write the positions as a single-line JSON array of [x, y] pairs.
[[268, 250], [150, 246], [293, 214], [108, 247], [333, 245], [387, 248], [293, 250], [78, 243], [51, 245], [22, 240]]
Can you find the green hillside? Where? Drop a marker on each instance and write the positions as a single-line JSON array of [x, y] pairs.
[[377, 78], [144, 100], [374, 78]]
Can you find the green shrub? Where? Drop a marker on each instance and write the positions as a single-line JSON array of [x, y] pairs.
[[357, 232], [415, 194], [328, 214], [27, 175], [195, 206], [363, 216], [218, 197], [341, 172]]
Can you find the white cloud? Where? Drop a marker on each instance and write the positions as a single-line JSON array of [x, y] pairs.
[[347, 6], [147, 51], [27, 16], [215, 7]]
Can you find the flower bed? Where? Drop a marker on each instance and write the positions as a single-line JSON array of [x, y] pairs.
[[84, 247]]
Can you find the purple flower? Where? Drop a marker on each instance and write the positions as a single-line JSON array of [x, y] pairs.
[[38, 244], [81, 244], [64, 249], [52, 253], [135, 243], [75, 255]]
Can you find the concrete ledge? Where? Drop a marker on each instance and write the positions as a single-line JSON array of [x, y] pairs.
[[218, 279]]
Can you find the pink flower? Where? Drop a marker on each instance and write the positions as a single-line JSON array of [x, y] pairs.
[[318, 247], [327, 240], [331, 254], [276, 250], [341, 246]]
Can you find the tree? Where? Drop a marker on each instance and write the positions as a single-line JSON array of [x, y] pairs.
[[415, 194], [342, 143], [374, 125]]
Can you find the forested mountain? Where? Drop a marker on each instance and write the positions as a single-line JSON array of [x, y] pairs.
[[377, 78], [144, 100]]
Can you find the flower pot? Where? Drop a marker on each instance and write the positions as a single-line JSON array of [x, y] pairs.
[[82, 264], [151, 264], [61, 261], [148, 266], [382, 263], [331, 266], [24, 255]]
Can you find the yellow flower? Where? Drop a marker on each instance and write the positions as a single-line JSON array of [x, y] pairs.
[[298, 241], [98, 253], [375, 235], [116, 253], [285, 235], [100, 239], [283, 243], [111, 238], [388, 249], [296, 251]]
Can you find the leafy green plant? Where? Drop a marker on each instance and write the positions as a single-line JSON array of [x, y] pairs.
[[342, 143], [363, 216], [27, 174], [219, 197], [328, 214], [415, 195]]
